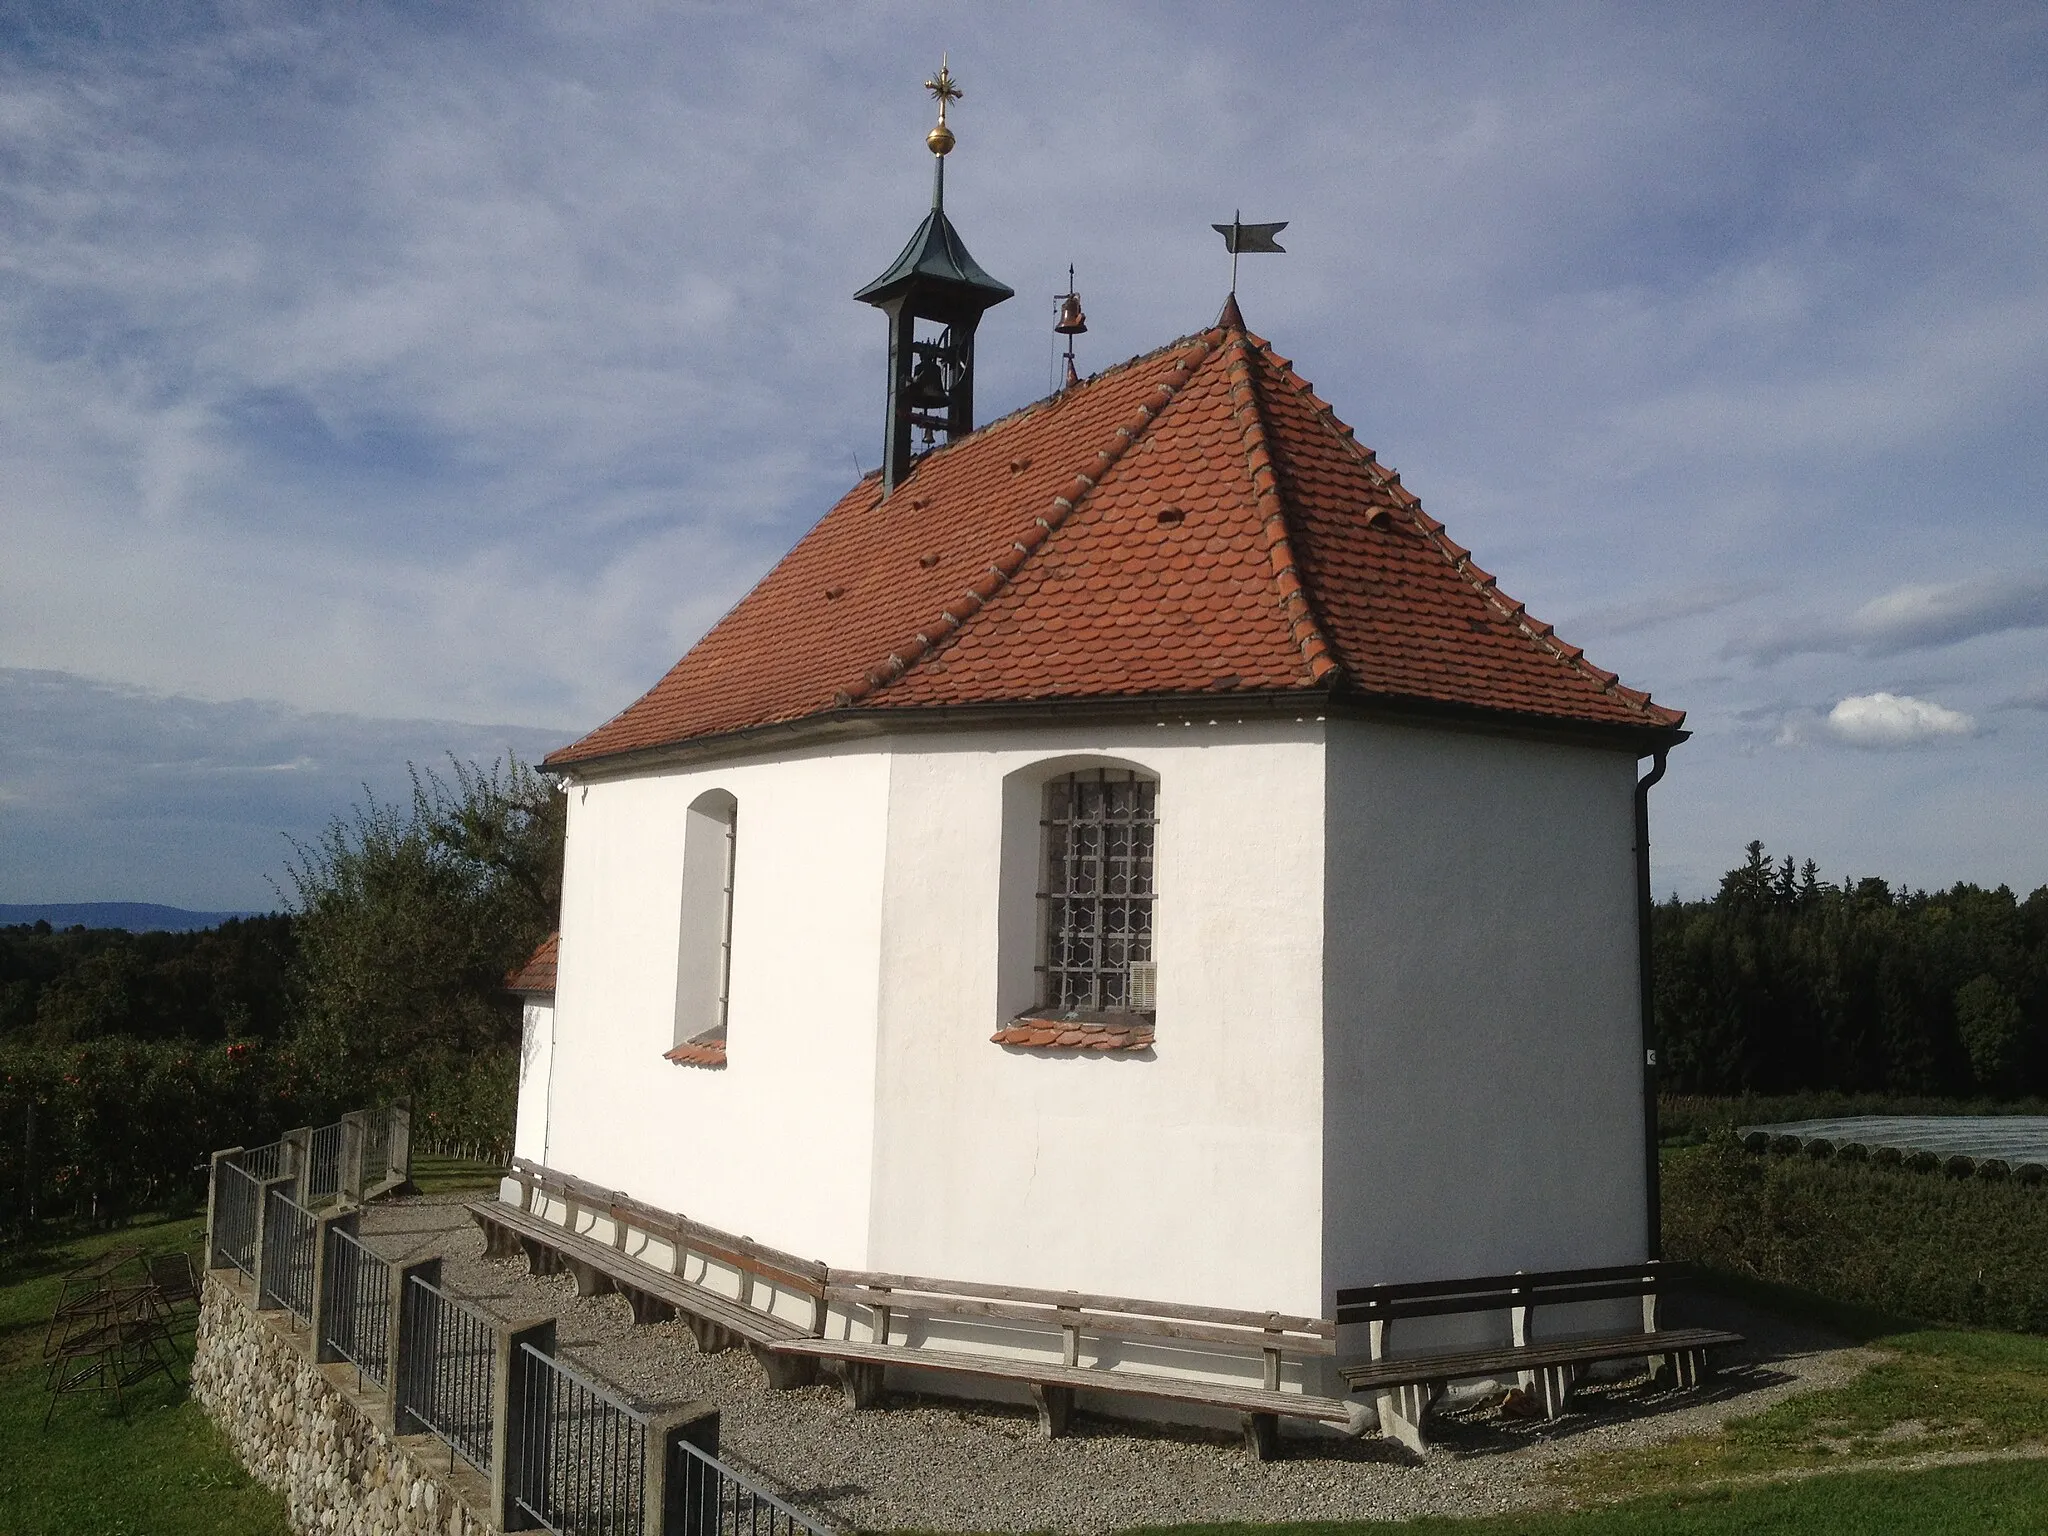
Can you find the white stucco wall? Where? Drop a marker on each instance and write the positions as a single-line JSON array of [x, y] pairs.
[[1193, 1175], [1453, 1089], [775, 1144], [1482, 1084]]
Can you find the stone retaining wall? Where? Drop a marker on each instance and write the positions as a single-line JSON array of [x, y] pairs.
[[304, 1430]]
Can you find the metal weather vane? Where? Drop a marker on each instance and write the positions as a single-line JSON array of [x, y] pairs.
[[1239, 236]]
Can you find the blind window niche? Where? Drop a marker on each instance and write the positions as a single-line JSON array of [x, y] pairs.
[[704, 955]]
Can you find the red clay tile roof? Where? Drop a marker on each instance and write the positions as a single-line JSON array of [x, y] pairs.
[[538, 974], [1193, 522]]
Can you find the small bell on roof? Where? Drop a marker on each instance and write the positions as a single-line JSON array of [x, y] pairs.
[[1071, 323]]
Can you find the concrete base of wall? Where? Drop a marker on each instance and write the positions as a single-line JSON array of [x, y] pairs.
[[305, 1431]]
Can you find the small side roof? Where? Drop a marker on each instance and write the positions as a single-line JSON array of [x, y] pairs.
[[536, 978]]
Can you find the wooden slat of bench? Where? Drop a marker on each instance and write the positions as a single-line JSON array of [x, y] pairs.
[[1215, 1394], [789, 1269], [1491, 1301], [1657, 1273], [1121, 1324], [1408, 1370], [748, 1322], [1172, 1309]]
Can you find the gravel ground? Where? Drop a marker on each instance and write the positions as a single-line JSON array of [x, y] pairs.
[[930, 1464]]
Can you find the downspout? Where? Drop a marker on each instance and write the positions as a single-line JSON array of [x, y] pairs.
[[1652, 1193]]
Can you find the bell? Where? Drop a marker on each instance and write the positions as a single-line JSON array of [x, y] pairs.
[[1072, 322], [928, 386]]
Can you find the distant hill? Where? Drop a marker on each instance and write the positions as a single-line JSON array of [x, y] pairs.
[[135, 916]]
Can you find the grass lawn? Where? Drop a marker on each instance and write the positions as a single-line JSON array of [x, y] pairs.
[[453, 1175], [160, 1469]]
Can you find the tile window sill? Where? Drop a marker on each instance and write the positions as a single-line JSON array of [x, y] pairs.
[[1122, 1033], [697, 1053]]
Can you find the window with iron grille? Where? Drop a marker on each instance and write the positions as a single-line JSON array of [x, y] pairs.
[[1096, 901]]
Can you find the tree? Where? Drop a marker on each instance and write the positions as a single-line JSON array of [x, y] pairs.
[[408, 919], [1993, 1032]]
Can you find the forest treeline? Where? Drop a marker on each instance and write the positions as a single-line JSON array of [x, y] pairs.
[[1783, 982]]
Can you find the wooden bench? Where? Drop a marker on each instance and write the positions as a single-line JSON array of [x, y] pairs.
[[1073, 1316], [718, 1321], [1404, 1386], [790, 1354]]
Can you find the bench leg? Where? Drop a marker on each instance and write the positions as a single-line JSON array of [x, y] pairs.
[[712, 1338], [860, 1383], [1556, 1382], [1055, 1409], [1402, 1411], [1687, 1367], [590, 1280], [538, 1256], [500, 1242], [785, 1372], [1262, 1435], [649, 1309]]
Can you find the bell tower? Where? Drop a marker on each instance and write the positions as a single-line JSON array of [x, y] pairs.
[[934, 295]]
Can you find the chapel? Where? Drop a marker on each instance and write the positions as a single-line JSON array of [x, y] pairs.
[[1127, 848]]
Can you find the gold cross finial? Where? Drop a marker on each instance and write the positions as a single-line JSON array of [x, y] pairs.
[[940, 140]]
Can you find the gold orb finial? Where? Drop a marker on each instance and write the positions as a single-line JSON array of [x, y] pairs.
[[940, 140]]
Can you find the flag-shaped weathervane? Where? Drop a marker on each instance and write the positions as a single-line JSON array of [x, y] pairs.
[[1239, 236]]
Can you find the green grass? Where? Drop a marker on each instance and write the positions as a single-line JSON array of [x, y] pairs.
[[453, 1175], [1935, 1391], [159, 1469], [1990, 1499]]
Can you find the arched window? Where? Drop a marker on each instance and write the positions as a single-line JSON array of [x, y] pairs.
[[1095, 901], [704, 955]]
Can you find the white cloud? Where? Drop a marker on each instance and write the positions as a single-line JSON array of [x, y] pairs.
[[1894, 720], [1915, 617]]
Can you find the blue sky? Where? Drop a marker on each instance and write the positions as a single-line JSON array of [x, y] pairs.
[[383, 380]]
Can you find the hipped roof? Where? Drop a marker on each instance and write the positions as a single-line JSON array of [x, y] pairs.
[[1193, 524]]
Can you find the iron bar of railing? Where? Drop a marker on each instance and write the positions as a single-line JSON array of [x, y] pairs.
[[376, 1147], [448, 1371], [264, 1162], [234, 1217], [582, 1454], [358, 1316], [323, 1164], [288, 1236], [708, 1498]]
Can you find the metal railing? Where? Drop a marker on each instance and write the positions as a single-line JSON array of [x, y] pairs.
[[705, 1497], [445, 1377], [288, 1236], [376, 1146], [264, 1162], [582, 1453], [234, 1217], [357, 1317], [322, 1180]]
